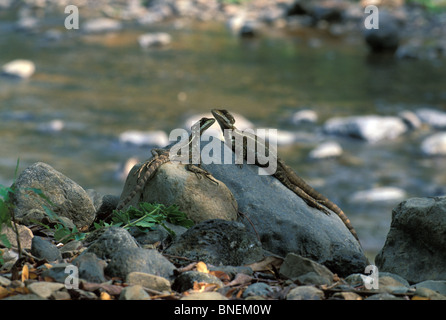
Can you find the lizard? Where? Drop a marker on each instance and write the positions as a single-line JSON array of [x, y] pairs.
[[284, 173], [161, 156]]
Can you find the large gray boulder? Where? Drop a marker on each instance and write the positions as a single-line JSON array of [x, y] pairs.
[[285, 223], [415, 245], [67, 198]]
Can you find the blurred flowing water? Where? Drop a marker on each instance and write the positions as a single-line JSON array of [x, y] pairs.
[[98, 86]]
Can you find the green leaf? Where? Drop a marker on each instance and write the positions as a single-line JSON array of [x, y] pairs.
[[5, 241]]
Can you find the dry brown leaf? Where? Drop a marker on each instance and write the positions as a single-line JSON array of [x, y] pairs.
[[267, 264], [202, 267], [419, 298], [105, 296], [221, 275], [25, 273], [3, 292], [240, 279]]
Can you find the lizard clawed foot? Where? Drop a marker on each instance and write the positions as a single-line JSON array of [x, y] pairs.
[[199, 172]]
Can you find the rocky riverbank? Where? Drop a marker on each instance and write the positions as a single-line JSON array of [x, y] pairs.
[[270, 252], [405, 29]]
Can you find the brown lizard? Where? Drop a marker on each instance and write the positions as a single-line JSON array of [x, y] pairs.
[[285, 174], [161, 156]]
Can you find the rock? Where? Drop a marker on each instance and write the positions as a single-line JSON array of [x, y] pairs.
[[43, 249], [295, 265], [432, 117], [387, 37], [148, 281], [45, 289], [347, 296], [134, 292], [390, 285], [125, 261], [71, 249], [381, 194], [428, 293], [312, 278], [383, 296], [292, 225], [104, 204], [69, 199], [218, 242], [414, 248], [258, 289], [111, 240], [101, 25], [198, 197], [90, 268], [58, 272], [303, 116], [185, 281], [282, 137], [371, 128], [157, 233], [52, 126], [325, 150], [205, 296], [4, 282], [305, 293], [435, 145], [438, 286], [25, 236], [157, 39], [411, 120], [19, 68], [141, 139]]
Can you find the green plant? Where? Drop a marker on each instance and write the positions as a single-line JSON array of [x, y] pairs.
[[7, 217], [148, 215]]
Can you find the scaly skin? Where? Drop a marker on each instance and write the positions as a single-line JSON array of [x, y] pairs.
[[161, 156], [285, 174]]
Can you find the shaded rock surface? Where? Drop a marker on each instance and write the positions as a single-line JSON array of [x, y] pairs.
[[414, 247], [44, 249], [150, 261], [218, 242], [285, 223]]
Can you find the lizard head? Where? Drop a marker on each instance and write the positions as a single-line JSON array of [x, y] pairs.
[[224, 118], [205, 123]]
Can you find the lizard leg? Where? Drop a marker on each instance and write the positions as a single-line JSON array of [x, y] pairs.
[[200, 171], [155, 154]]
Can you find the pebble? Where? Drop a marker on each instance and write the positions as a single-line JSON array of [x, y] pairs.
[[435, 145], [205, 296], [305, 293], [19, 68], [157, 39], [257, 289], [45, 289], [436, 285], [326, 150], [381, 194], [140, 138], [304, 116], [100, 25], [134, 292], [44, 249], [148, 281], [371, 128], [432, 117]]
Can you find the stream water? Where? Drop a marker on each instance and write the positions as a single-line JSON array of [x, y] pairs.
[[99, 86]]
